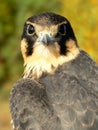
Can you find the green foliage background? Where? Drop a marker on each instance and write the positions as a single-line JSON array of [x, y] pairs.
[[81, 13]]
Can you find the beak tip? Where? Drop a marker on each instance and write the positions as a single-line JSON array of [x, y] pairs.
[[45, 38]]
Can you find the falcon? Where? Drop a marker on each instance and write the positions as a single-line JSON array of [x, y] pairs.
[[59, 87]]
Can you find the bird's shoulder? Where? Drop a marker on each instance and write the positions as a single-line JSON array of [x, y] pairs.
[[27, 105], [81, 69], [73, 93]]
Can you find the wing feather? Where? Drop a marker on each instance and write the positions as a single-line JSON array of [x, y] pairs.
[[73, 93], [66, 100]]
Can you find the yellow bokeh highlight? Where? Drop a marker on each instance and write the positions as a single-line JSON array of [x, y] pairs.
[[83, 15]]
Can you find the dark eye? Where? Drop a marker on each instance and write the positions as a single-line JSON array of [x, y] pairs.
[[62, 29], [30, 29]]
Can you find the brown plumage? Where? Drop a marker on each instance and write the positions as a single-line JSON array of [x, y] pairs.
[[59, 89]]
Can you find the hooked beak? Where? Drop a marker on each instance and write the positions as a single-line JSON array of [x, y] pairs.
[[45, 38]]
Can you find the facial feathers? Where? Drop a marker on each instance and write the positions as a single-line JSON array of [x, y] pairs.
[[47, 41]]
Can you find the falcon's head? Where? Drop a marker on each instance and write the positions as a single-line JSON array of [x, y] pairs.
[[47, 41]]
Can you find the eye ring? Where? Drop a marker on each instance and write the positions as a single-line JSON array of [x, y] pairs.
[[62, 29], [30, 29]]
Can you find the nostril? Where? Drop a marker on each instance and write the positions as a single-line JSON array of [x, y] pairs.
[[45, 37]]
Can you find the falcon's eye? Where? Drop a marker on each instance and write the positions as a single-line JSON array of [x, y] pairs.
[[62, 29], [30, 29]]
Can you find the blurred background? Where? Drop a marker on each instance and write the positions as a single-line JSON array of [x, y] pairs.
[[83, 15]]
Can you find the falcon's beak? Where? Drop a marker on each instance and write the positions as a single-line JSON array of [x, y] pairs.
[[45, 38]]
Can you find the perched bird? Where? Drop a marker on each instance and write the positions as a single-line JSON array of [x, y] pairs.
[[59, 89]]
